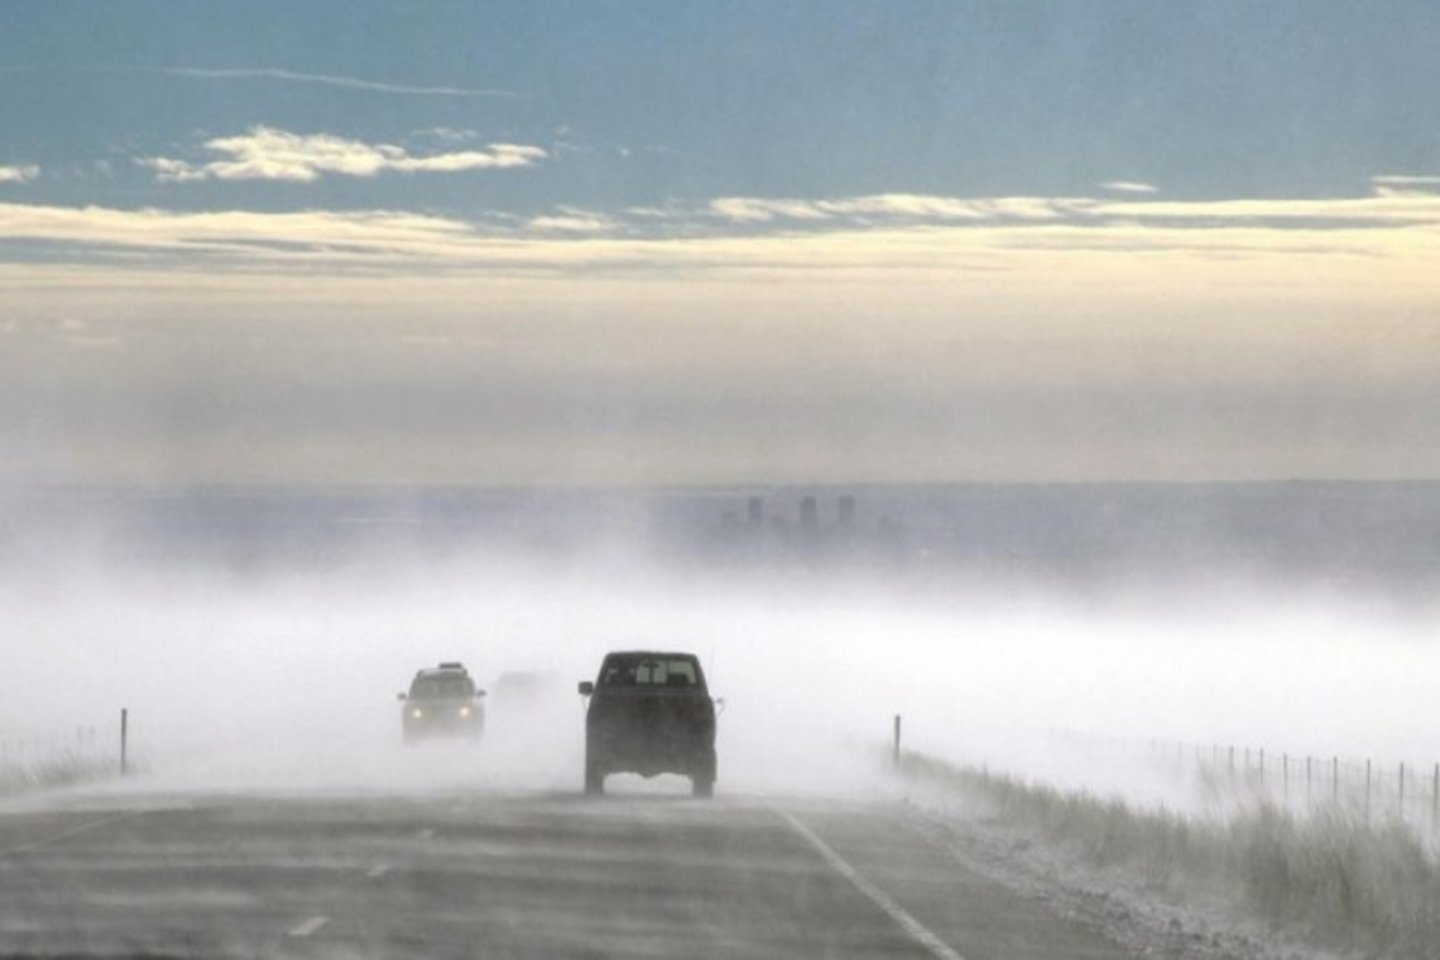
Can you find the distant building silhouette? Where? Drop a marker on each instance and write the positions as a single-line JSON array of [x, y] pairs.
[[809, 514]]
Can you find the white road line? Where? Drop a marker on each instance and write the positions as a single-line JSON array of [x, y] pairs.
[[899, 914], [67, 834], [309, 926], [378, 871]]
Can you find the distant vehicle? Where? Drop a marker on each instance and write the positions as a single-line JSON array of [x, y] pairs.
[[649, 713], [443, 702]]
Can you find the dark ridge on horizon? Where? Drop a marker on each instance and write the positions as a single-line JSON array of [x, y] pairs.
[[1377, 535]]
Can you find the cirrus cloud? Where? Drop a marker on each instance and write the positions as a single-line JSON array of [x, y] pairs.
[[266, 153], [18, 174], [890, 234], [1405, 185], [1129, 186]]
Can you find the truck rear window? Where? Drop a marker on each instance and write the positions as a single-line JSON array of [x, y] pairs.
[[649, 671]]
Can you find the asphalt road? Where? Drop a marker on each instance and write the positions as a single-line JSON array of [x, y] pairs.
[[500, 874]]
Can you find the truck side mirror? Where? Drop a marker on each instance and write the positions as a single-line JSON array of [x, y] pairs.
[[399, 696], [586, 688], [479, 694]]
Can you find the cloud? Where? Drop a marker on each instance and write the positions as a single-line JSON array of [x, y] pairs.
[[16, 174], [450, 134], [265, 153], [757, 210], [1401, 185], [1412, 205], [1129, 186], [571, 220], [328, 80], [1376, 241], [892, 207]]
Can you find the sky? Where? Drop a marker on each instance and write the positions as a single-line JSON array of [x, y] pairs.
[[557, 243]]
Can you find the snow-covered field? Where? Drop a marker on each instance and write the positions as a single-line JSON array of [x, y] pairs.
[[1257, 882]]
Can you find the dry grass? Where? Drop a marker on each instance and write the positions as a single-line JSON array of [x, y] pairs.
[[1329, 877], [59, 770]]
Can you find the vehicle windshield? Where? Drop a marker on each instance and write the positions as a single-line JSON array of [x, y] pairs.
[[640, 671], [442, 688]]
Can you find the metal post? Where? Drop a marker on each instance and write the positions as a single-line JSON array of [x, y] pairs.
[[1367, 789], [897, 741], [124, 741], [1335, 778], [1285, 775], [1307, 781], [1402, 789]]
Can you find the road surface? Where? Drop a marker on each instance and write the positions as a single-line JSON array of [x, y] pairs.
[[501, 874]]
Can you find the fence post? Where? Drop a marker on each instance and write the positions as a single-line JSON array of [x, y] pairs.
[[124, 741], [897, 741], [1307, 781], [1285, 776], [1335, 779], [1367, 790], [1262, 767], [1402, 789]]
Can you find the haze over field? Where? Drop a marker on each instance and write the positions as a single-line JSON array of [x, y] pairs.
[[280, 672]]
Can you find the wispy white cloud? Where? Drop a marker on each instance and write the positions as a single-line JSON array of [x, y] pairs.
[[892, 207], [265, 153], [18, 174], [894, 234], [1129, 186], [759, 210], [1414, 205], [450, 134], [1403, 185], [572, 220], [329, 80]]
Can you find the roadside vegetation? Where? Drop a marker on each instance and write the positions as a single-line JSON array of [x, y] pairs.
[[61, 769], [1327, 877]]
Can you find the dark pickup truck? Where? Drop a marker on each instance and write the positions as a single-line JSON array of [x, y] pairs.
[[650, 713]]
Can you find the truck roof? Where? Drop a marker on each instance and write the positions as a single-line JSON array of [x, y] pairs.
[[651, 653], [451, 669]]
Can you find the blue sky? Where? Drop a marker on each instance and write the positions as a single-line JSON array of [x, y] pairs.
[[1140, 210], [639, 103]]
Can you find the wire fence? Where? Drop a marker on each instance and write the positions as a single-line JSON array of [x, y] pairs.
[[1367, 787]]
